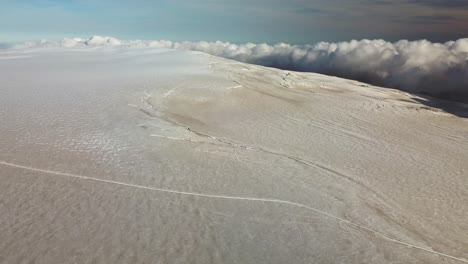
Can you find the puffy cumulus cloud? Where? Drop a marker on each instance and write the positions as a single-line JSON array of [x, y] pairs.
[[94, 41], [437, 69], [98, 41]]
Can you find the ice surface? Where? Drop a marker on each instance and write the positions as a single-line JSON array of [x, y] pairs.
[[135, 155]]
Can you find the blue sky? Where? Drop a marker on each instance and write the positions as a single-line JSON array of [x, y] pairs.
[[291, 21]]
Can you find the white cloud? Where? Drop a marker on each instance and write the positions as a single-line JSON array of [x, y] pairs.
[[415, 66], [99, 41]]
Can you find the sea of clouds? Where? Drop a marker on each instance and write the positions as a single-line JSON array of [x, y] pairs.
[[437, 69]]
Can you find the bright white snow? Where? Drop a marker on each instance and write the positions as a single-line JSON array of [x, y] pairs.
[[115, 154]]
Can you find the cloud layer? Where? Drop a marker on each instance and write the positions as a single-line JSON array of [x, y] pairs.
[[436, 69]]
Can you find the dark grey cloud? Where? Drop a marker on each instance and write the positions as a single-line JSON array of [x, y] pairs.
[[429, 19], [442, 3], [292, 21], [377, 2], [428, 3], [310, 10]]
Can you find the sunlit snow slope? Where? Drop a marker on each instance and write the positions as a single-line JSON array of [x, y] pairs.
[[138, 155]]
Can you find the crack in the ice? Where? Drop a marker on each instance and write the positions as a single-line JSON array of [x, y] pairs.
[[242, 146], [239, 198], [225, 142]]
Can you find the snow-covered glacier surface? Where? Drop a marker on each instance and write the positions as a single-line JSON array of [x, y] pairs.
[[139, 155]]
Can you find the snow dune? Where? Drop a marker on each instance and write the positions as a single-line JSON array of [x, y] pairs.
[[114, 154]]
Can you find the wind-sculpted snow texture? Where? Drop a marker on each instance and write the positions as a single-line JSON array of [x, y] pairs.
[[112, 154], [436, 69]]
